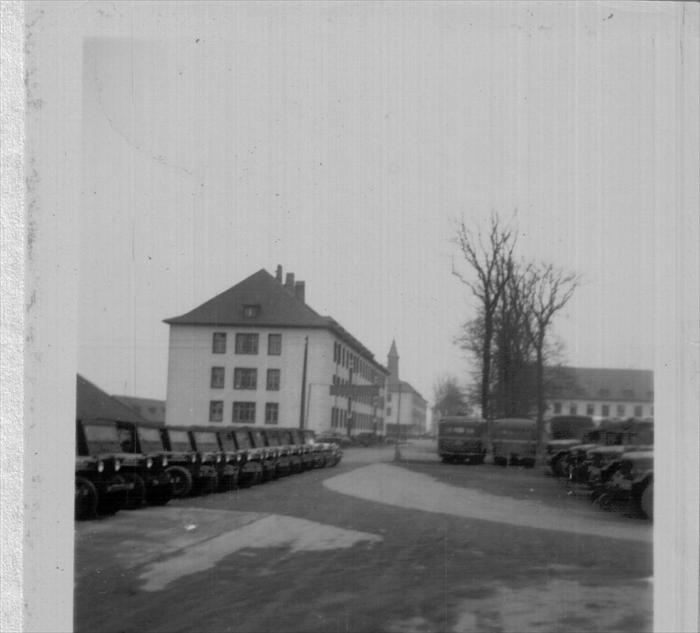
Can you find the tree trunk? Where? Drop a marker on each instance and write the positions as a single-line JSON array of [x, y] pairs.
[[540, 393]]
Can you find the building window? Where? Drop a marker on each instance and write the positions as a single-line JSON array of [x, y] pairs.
[[244, 412], [250, 311], [217, 377], [272, 411], [573, 409], [605, 410], [246, 343], [620, 410], [388, 411], [216, 411], [557, 407], [244, 378], [638, 411], [590, 409], [273, 379], [274, 344], [218, 344]]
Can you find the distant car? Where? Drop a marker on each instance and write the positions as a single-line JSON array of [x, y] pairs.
[[366, 439], [338, 438]]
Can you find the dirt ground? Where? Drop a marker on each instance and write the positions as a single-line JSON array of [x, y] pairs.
[[369, 546]]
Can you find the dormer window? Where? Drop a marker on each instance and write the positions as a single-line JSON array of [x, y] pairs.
[[251, 311]]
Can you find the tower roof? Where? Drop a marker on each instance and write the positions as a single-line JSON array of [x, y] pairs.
[[392, 349]]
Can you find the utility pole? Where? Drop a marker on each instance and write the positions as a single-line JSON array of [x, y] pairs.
[[397, 452], [303, 384]]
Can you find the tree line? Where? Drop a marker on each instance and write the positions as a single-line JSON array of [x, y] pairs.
[[510, 336]]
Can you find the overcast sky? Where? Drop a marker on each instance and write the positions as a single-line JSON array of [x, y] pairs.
[[343, 141]]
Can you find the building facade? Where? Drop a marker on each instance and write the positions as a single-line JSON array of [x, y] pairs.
[[602, 393], [257, 354], [405, 409]]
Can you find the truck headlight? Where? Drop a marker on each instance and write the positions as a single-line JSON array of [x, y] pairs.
[[100, 466], [149, 463], [193, 458], [218, 459], [117, 465], [165, 461]]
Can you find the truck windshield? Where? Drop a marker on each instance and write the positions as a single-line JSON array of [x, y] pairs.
[[180, 441], [102, 439], [150, 440], [259, 439], [243, 439], [227, 442], [206, 441], [272, 439]]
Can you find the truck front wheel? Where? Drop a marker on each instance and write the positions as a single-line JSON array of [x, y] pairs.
[[182, 481], [85, 499]]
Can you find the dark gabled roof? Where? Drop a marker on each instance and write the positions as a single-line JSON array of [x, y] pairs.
[[93, 403], [405, 387], [277, 306], [148, 408], [602, 384]]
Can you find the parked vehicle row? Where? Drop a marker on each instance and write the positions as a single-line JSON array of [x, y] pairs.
[[614, 463], [127, 465]]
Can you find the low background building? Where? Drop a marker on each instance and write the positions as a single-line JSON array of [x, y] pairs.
[[601, 393], [257, 354], [406, 410]]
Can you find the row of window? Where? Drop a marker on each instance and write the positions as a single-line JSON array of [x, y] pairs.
[[245, 378], [344, 357], [364, 398], [246, 343], [605, 410], [243, 412], [360, 421]]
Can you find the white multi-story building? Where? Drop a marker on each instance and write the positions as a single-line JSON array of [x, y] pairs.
[[602, 393], [406, 410], [257, 354]]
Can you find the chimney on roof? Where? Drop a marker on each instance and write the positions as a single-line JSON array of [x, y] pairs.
[[300, 290], [289, 283], [278, 274]]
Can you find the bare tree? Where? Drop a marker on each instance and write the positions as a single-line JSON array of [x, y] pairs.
[[513, 350], [489, 257], [449, 397], [548, 289]]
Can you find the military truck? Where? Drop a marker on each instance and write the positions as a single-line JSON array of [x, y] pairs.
[[296, 460], [100, 487], [461, 439], [188, 472], [153, 484], [227, 462], [252, 471], [269, 455], [275, 443], [514, 441], [306, 450]]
